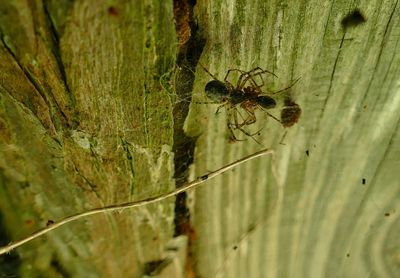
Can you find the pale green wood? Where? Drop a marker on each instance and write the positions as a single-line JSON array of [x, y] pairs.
[[298, 215], [99, 130], [82, 126]]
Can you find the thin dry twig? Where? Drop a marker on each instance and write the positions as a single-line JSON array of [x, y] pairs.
[[120, 207]]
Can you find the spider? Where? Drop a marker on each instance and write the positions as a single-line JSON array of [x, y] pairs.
[[247, 94]]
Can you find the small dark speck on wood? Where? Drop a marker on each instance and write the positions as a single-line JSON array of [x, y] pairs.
[[112, 11], [49, 222]]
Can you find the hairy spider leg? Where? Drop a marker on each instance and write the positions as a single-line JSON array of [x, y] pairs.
[[206, 70], [227, 74], [251, 117], [251, 135], [231, 70], [226, 103], [251, 74], [215, 78], [287, 88], [236, 126], [261, 70], [186, 99], [243, 73], [269, 114], [206, 102], [231, 114], [231, 131]]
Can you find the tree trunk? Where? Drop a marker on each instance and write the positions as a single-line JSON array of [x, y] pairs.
[[92, 110], [85, 123]]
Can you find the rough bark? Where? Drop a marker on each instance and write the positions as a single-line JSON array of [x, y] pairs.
[[85, 123], [90, 116]]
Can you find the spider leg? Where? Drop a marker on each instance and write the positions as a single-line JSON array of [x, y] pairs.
[[273, 117], [283, 138], [233, 136], [251, 135], [287, 88], [269, 114], [245, 74], [206, 70], [253, 81], [251, 117], [206, 102], [239, 126], [222, 105], [243, 119], [239, 82], [235, 118], [253, 73], [261, 77], [232, 70], [232, 113], [214, 77]]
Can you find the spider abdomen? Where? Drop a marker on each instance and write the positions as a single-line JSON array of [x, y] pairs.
[[216, 90], [266, 102]]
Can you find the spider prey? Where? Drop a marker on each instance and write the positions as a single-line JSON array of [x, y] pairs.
[[247, 94]]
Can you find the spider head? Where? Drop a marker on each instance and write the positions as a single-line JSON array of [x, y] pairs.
[[266, 102], [216, 90]]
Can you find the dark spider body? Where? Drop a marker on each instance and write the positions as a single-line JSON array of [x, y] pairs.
[[247, 95], [219, 92]]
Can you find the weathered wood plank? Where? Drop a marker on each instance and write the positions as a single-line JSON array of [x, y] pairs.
[[85, 123], [327, 205]]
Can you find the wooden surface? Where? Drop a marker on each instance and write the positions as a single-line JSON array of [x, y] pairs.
[[85, 123], [307, 213], [86, 120]]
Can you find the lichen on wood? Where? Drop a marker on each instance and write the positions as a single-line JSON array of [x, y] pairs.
[[85, 123]]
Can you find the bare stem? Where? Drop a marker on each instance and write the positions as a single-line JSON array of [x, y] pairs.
[[120, 207]]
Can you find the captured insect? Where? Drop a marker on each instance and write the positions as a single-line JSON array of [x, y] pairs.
[[247, 94], [290, 113]]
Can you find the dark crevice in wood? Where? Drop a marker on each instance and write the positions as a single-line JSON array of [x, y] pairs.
[[378, 60], [332, 75], [55, 44], [191, 44], [188, 56], [56, 265], [10, 263], [47, 125]]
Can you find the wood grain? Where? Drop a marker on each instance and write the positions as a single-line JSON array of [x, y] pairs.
[[328, 205], [85, 123]]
